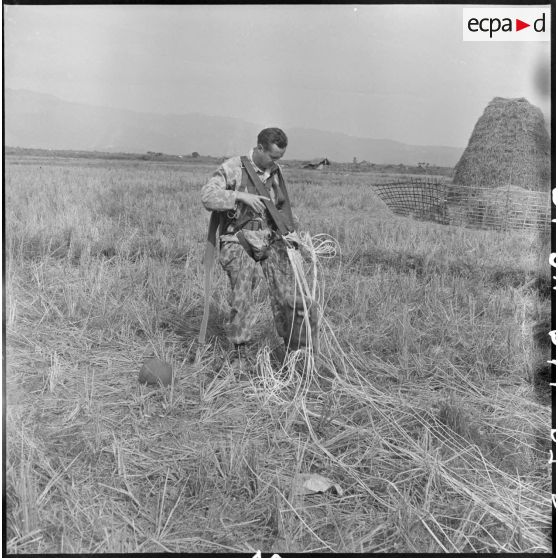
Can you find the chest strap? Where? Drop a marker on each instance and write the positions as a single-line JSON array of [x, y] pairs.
[[256, 184]]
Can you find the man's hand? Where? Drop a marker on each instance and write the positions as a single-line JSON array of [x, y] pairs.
[[252, 200]]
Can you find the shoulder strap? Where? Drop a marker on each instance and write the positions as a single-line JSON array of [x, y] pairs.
[[286, 207], [246, 213], [246, 178], [275, 215]]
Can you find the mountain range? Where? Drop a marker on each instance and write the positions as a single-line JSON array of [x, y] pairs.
[[38, 120]]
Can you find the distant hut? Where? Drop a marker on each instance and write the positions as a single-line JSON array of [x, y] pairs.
[[509, 145], [317, 164]]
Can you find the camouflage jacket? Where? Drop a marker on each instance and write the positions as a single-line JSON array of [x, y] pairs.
[[219, 194]]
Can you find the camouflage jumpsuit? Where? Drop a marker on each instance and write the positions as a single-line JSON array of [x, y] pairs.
[[219, 195]]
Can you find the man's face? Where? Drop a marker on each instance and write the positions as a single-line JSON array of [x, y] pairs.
[[265, 158]]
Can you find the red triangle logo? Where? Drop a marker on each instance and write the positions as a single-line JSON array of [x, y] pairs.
[[519, 25]]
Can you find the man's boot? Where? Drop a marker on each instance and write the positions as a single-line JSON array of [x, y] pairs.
[[239, 359], [279, 354]]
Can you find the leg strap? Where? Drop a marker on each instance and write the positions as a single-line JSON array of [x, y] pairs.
[[244, 243]]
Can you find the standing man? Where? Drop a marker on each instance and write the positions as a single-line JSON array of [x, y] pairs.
[[250, 204]]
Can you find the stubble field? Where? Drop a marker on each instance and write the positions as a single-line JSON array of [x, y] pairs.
[[425, 408]]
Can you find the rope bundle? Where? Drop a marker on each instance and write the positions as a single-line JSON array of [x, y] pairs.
[[304, 252]]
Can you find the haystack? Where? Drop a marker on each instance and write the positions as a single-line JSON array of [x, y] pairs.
[[509, 145]]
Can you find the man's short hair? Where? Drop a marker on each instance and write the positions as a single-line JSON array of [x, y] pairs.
[[269, 136]]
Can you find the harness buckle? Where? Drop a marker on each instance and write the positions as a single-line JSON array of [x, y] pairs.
[[253, 225]]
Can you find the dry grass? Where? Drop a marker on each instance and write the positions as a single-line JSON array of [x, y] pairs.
[[420, 405]]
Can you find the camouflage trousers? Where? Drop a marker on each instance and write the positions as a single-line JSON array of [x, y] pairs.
[[242, 272]]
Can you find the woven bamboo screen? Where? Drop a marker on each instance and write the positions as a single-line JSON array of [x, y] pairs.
[[438, 200]]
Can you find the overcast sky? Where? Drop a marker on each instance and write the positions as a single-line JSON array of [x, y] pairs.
[[379, 71]]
